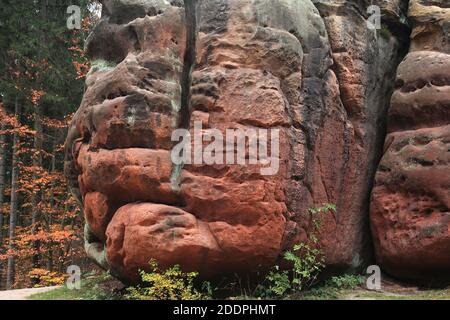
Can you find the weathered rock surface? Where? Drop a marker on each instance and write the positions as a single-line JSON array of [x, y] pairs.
[[118, 147], [348, 147], [410, 209], [310, 69]]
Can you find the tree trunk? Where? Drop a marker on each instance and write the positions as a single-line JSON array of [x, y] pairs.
[[52, 204], [37, 165], [2, 189], [2, 176], [14, 201]]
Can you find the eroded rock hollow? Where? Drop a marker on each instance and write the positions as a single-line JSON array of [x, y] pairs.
[[312, 70]]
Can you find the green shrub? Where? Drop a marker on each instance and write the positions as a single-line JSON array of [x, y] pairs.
[[307, 263], [171, 284], [348, 281], [306, 260], [279, 281]]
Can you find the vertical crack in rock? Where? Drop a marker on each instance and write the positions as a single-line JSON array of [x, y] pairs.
[[190, 7], [189, 60]]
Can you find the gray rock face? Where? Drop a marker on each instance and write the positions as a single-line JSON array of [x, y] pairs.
[[312, 69]]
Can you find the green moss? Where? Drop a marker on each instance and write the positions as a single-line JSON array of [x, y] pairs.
[[101, 66], [385, 33], [175, 177]]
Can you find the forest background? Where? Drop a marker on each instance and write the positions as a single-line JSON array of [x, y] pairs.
[[42, 74]]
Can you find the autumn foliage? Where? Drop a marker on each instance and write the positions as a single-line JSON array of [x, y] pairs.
[[58, 229], [45, 81]]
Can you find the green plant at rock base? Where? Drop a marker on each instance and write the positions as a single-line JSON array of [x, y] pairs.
[[308, 262], [306, 259], [280, 283], [171, 284], [347, 281]]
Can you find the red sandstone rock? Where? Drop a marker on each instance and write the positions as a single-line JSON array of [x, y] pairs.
[[410, 209], [98, 213], [410, 204], [263, 64], [143, 231], [127, 175]]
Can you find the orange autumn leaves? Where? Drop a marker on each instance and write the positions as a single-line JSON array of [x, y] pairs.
[[36, 95], [79, 61], [58, 228], [46, 278], [12, 125], [42, 82]]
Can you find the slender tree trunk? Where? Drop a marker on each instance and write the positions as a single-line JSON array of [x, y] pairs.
[[52, 206], [14, 201], [65, 253], [2, 189], [2, 176], [37, 164]]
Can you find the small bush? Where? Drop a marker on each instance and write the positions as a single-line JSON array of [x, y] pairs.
[[171, 284], [308, 262], [306, 259], [280, 283], [45, 278], [347, 281]]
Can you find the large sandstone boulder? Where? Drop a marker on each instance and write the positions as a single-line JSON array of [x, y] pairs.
[[310, 69], [410, 209]]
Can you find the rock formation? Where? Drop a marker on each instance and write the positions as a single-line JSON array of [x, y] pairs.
[[312, 70], [410, 209]]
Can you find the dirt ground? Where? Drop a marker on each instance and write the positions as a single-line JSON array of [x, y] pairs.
[[395, 290], [23, 294]]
